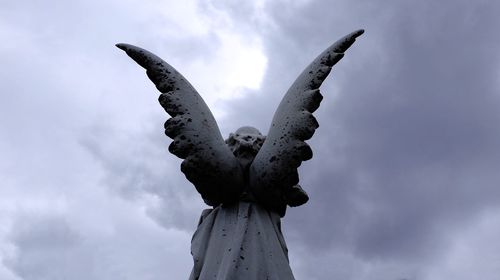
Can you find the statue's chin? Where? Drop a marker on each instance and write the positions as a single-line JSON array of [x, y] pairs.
[[245, 161], [245, 157], [245, 154]]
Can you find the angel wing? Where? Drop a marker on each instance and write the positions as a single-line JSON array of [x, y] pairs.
[[208, 162], [273, 172]]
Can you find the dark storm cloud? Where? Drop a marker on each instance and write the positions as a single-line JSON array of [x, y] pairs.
[[425, 139], [407, 151], [406, 156]]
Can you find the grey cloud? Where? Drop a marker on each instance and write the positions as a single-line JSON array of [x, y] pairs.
[[44, 249], [407, 150], [406, 156], [419, 129], [56, 80], [134, 167], [52, 246]]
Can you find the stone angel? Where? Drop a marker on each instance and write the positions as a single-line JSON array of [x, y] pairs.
[[248, 179]]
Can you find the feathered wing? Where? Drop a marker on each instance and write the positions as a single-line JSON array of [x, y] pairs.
[[208, 162], [273, 172]]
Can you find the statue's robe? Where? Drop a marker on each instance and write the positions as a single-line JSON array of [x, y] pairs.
[[241, 241]]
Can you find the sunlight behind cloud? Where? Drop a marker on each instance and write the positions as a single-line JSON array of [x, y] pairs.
[[239, 64], [234, 60], [245, 63], [207, 45]]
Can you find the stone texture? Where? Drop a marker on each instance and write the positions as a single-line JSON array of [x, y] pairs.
[[274, 169], [249, 178], [239, 241], [208, 162]]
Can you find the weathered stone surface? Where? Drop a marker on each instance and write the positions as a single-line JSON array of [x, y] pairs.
[[208, 162], [240, 241], [249, 178], [274, 169]]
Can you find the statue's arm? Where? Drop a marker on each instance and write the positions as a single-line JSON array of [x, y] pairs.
[[208, 162], [273, 172]]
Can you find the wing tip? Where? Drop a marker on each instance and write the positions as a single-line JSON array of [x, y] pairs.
[[143, 57], [345, 42], [357, 33], [122, 46], [351, 37], [128, 48]]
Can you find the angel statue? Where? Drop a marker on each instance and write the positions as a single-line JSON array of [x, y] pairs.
[[248, 179]]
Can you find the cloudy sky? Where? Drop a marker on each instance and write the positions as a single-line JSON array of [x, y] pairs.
[[404, 183]]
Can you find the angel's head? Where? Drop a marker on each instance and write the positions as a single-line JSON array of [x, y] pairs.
[[245, 143]]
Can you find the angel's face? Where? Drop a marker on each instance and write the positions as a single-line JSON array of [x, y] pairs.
[[245, 143]]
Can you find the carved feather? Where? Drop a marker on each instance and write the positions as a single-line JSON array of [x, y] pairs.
[[274, 169], [208, 162]]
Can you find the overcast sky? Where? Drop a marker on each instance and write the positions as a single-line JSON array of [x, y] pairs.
[[404, 183]]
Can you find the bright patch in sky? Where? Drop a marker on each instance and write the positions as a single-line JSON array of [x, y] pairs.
[[238, 63], [245, 62]]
